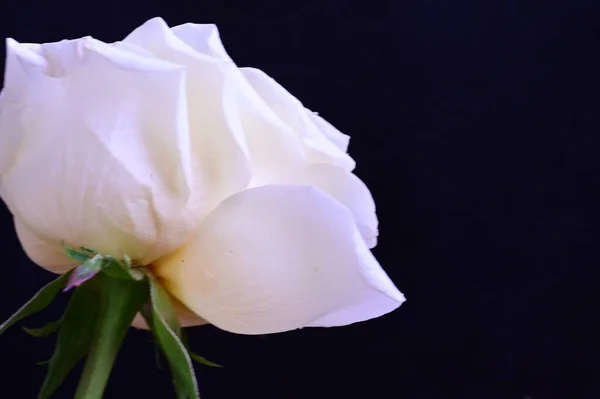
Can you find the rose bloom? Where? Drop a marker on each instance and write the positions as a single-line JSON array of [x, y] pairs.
[[240, 200]]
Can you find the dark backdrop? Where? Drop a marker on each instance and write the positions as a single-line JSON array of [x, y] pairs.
[[475, 123]]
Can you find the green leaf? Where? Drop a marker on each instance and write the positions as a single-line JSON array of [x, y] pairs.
[[44, 331], [204, 361], [120, 300], [43, 298], [177, 355], [74, 336]]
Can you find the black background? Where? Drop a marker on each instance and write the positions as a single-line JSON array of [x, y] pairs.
[[475, 123]]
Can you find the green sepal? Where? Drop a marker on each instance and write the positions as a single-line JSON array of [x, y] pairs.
[[122, 270], [44, 331], [204, 361], [157, 354], [102, 263], [43, 362], [161, 299], [80, 256], [109, 293], [127, 261], [195, 357], [74, 335], [40, 300], [86, 271], [173, 348]]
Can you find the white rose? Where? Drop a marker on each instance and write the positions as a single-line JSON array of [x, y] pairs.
[[240, 200]]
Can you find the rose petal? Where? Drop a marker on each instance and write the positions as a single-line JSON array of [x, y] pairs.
[[312, 129], [104, 158], [203, 38], [277, 258], [338, 138], [220, 153], [9, 143], [225, 105], [43, 251], [276, 151], [350, 191]]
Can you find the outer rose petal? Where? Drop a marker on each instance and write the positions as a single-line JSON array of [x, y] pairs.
[[277, 258], [350, 191], [324, 143], [43, 251], [94, 166], [97, 149]]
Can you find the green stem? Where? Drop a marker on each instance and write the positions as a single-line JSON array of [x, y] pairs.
[[120, 301]]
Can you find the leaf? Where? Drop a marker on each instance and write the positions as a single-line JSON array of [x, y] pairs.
[[74, 336], [44, 331], [120, 301], [177, 355], [86, 271], [204, 361], [43, 298]]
